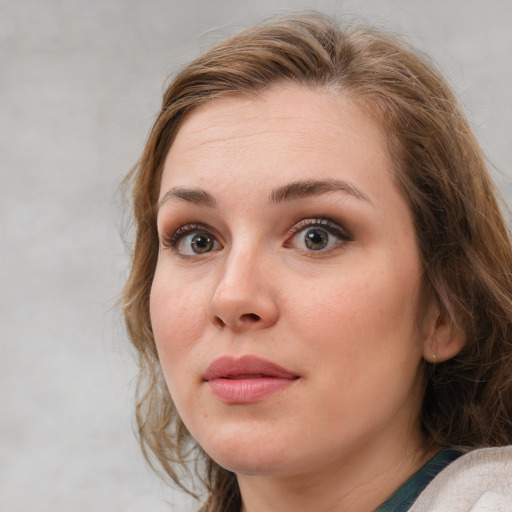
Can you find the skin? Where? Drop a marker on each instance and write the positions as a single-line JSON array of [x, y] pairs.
[[344, 319]]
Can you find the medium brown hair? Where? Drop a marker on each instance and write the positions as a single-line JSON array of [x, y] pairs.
[[463, 241]]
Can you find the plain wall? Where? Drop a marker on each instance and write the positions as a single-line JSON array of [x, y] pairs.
[[80, 84]]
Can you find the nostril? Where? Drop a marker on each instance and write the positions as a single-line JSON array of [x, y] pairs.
[[218, 322], [246, 318], [250, 317]]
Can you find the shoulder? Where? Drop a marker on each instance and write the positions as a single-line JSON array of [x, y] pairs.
[[480, 481]]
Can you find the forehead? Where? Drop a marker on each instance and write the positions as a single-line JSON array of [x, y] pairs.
[[286, 133], [286, 108]]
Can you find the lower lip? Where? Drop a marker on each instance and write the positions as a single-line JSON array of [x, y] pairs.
[[246, 391]]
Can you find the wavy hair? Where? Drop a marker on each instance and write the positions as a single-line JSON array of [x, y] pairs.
[[439, 167]]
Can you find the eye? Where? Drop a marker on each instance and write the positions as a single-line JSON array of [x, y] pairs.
[[317, 235], [316, 239], [192, 240], [197, 243]]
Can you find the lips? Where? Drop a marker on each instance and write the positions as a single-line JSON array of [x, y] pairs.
[[246, 366], [247, 379]]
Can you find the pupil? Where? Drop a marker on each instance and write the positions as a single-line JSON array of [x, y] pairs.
[[316, 239], [202, 243]]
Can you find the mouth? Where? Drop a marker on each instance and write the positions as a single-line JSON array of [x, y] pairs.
[[247, 379], [245, 376]]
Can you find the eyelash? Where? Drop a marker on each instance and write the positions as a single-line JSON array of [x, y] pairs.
[[325, 224], [171, 240]]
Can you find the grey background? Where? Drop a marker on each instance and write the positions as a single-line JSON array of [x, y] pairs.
[[80, 84]]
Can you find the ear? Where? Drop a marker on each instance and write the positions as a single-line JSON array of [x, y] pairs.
[[443, 339]]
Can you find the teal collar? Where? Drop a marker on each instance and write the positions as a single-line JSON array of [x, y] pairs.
[[404, 497]]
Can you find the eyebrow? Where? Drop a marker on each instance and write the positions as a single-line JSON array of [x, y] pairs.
[[193, 195], [308, 188], [289, 192]]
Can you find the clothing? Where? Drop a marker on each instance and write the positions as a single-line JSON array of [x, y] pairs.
[[480, 481], [403, 498]]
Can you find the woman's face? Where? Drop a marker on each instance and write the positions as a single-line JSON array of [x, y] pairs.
[[284, 303]]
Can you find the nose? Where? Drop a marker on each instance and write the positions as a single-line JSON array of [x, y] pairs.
[[245, 296]]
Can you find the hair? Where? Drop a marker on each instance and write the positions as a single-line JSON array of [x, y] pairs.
[[463, 240]]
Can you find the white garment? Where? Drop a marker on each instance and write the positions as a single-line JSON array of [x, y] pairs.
[[480, 481]]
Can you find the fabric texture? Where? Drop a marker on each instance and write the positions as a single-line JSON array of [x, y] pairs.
[[480, 481], [403, 498]]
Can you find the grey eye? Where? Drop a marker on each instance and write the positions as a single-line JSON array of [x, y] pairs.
[[318, 235], [316, 238]]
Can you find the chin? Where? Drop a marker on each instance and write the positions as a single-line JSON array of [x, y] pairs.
[[249, 453], [253, 464]]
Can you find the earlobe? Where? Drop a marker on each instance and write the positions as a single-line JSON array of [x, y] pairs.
[[444, 339]]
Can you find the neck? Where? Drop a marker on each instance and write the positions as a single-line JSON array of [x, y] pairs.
[[360, 482]]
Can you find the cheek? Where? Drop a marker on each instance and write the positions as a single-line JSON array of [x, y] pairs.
[[177, 317], [363, 312]]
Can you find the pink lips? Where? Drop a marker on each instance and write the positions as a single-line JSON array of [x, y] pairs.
[[247, 379]]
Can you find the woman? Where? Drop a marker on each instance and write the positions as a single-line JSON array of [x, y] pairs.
[[320, 293]]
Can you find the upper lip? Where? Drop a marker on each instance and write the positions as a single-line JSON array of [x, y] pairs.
[[247, 366]]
